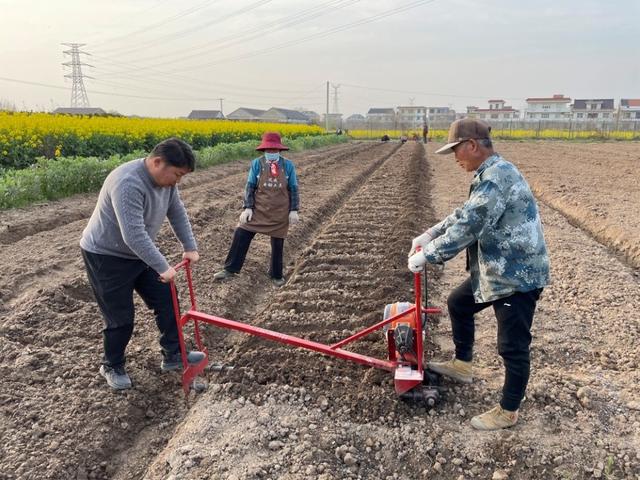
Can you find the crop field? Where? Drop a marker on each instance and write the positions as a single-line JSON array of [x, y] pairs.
[[506, 133], [275, 412], [25, 137]]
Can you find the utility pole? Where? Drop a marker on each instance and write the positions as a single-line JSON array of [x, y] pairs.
[[221, 99], [78, 92], [326, 116]]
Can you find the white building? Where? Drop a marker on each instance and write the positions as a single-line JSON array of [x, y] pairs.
[[205, 115], [355, 122], [497, 111], [381, 118], [549, 108], [79, 111], [440, 115], [593, 109], [246, 114], [313, 117], [284, 115], [629, 110], [411, 117]]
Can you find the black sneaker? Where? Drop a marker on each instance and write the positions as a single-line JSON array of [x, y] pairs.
[[116, 378], [278, 282], [174, 361]]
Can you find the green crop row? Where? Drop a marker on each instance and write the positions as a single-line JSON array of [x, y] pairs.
[[51, 179]]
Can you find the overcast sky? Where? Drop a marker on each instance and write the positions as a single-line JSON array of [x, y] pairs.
[[167, 57]]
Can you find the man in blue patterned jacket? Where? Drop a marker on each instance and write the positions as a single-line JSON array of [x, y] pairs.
[[499, 227]]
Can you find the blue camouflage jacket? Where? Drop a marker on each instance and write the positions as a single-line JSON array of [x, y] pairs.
[[500, 227]]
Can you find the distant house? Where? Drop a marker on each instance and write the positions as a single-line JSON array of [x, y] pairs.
[[246, 114], [549, 108], [497, 111], [355, 122], [381, 117], [206, 115], [593, 109], [629, 109], [411, 116], [440, 115], [283, 115], [312, 116], [79, 111]]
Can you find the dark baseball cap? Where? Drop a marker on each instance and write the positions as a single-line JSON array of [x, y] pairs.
[[465, 129]]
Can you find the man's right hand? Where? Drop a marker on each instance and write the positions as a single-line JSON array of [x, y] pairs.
[[167, 276], [420, 241], [246, 215]]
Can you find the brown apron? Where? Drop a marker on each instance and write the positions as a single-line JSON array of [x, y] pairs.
[[271, 208]]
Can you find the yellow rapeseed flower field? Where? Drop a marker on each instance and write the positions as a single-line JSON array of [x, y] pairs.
[[515, 134], [26, 136]]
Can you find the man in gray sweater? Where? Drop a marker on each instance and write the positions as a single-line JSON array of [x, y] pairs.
[[121, 257]]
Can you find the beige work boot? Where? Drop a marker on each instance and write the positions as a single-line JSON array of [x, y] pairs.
[[457, 369], [223, 275], [495, 419]]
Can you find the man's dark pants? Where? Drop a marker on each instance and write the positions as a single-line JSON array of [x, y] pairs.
[[515, 316], [240, 246], [113, 280]]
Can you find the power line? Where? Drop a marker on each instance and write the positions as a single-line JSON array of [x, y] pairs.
[[154, 79], [365, 100], [254, 33], [98, 92], [420, 93], [146, 89], [146, 28], [143, 97], [318, 35], [323, 34], [208, 84], [191, 29]]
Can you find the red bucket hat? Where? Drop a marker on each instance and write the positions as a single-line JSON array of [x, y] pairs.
[[271, 140]]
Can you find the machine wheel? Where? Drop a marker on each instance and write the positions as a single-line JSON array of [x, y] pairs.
[[427, 396], [430, 397], [198, 386]]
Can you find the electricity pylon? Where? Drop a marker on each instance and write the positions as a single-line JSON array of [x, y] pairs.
[[79, 96]]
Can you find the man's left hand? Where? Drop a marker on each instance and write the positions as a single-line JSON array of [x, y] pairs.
[[293, 217], [193, 256], [417, 261]]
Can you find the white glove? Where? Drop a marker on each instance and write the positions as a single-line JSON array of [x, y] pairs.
[[417, 261], [420, 241], [293, 217], [246, 215]]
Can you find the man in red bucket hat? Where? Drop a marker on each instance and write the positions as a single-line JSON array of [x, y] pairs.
[[271, 203]]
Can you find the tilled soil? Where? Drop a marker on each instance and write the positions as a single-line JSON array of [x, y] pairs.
[[280, 412], [596, 186]]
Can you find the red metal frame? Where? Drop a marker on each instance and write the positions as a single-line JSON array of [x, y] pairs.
[[406, 375]]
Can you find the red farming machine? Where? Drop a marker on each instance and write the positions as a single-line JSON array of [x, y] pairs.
[[403, 324]]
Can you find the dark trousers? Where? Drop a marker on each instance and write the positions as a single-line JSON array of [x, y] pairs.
[[515, 316], [240, 246], [113, 280]]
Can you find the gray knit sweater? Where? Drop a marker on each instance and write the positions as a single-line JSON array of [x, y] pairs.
[[130, 211]]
